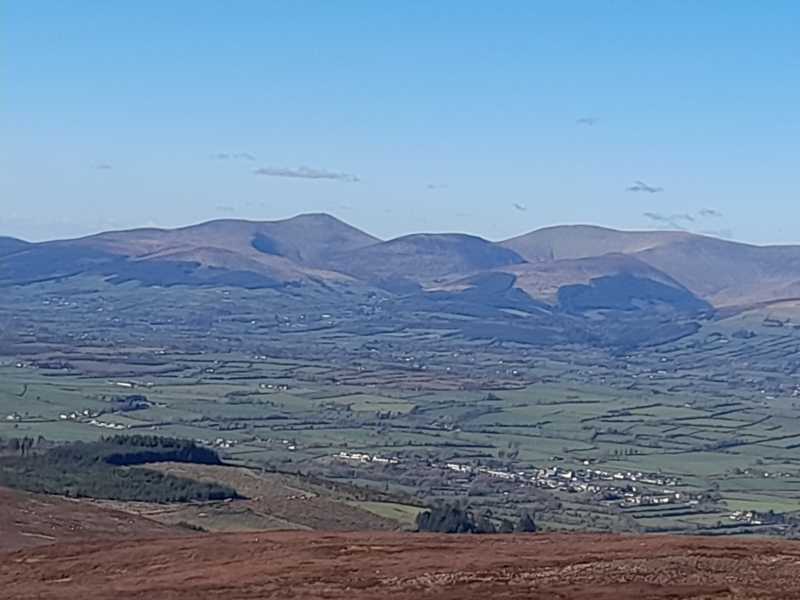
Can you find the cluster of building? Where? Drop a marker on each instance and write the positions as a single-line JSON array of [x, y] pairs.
[[223, 443], [89, 417], [745, 516], [635, 476], [570, 480], [753, 517], [78, 415], [629, 488], [363, 457], [496, 473], [107, 425], [279, 387]]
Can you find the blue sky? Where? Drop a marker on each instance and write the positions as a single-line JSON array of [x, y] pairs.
[[451, 115]]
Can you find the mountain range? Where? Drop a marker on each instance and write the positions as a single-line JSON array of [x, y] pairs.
[[575, 267]]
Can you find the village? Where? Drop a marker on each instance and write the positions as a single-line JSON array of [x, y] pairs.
[[623, 488]]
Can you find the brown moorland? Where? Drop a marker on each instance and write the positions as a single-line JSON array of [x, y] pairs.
[[406, 566], [29, 520]]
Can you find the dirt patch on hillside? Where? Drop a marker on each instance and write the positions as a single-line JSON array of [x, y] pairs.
[[407, 566], [29, 520]]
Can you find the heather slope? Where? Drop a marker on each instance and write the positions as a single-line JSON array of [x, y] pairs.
[[29, 520], [408, 566]]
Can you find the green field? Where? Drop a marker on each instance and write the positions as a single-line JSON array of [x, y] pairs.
[[715, 413], [276, 413]]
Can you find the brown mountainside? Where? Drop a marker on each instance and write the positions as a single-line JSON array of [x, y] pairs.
[[9, 245], [718, 271], [425, 257], [361, 566], [319, 248]]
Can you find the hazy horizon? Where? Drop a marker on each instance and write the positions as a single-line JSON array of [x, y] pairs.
[[366, 230]]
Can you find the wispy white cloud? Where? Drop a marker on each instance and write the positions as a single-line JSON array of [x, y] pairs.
[[641, 186], [678, 221], [233, 156], [305, 173]]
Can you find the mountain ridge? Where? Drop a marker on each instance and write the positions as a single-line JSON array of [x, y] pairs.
[[319, 248], [10, 245]]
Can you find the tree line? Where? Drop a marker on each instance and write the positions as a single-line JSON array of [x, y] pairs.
[[454, 518], [103, 469]]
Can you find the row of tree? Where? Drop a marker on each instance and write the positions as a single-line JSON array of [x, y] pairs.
[[100, 470], [453, 518]]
